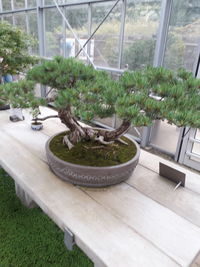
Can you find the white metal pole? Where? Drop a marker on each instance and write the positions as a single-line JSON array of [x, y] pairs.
[[74, 34]]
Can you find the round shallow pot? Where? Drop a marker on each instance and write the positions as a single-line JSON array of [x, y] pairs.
[[36, 127], [91, 176]]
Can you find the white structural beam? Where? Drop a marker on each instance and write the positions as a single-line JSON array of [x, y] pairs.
[[73, 33], [162, 32]]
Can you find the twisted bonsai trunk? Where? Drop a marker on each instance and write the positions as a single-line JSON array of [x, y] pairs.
[[117, 133], [78, 133]]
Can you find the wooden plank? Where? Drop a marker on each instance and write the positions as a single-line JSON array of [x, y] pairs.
[[102, 236], [27, 137], [152, 162], [182, 201], [175, 236]]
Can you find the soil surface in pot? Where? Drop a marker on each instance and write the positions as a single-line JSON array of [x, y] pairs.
[[36, 123], [92, 153]]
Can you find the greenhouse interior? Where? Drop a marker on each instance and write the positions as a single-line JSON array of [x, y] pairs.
[[100, 133]]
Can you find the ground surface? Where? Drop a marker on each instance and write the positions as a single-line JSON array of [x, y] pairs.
[[29, 237]]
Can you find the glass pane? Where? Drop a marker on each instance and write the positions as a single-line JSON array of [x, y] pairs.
[[183, 36], [196, 147], [18, 4], [106, 39], [78, 19], [8, 19], [20, 21], [165, 136], [6, 5], [31, 3], [49, 2], [33, 31], [142, 21], [75, 1], [53, 33], [197, 135], [110, 121]]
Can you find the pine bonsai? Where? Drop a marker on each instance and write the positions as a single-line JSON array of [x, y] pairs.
[[14, 46], [14, 57], [137, 98]]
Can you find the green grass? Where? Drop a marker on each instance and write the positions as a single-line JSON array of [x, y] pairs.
[[28, 237]]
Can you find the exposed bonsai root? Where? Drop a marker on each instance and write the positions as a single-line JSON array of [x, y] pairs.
[[94, 147], [122, 141], [67, 142], [100, 139]]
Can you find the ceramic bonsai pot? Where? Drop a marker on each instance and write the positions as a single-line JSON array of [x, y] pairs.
[[91, 176], [36, 126]]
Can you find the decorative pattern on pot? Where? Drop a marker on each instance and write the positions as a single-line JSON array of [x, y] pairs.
[[91, 176]]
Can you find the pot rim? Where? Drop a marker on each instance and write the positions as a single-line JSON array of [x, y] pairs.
[[38, 123], [136, 157]]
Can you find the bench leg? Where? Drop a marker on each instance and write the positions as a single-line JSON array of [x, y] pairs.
[[24, 197]]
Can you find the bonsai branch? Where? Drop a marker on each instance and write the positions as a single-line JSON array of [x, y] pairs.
[[45, 118], [117, 133]]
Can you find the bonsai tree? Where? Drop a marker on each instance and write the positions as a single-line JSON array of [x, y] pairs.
[[14, 46], [14, 57], [137, 98], [21, 95]]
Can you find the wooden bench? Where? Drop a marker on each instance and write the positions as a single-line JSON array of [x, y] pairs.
[[141, 222]]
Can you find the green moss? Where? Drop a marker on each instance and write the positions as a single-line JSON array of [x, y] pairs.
[[92, 153], [28, 237]]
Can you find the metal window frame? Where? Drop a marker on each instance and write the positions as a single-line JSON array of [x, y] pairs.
[[41, 27], [78, 3], [13, 8], [99, 25], [186, 141], [73, 33], [185, 157], [122, 31], [89, 28], [1, 10], [41, 36], [64, 31], [165, 15]]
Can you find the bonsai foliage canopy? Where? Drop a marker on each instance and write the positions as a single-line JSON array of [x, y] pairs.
[[138, 98], [159, 93], [14, 45]]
